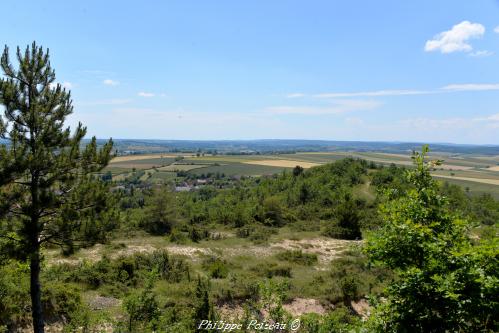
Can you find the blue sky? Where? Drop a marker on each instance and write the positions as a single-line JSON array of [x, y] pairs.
[[342, 70]]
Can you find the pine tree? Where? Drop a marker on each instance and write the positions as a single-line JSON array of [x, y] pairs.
[[47, 188]]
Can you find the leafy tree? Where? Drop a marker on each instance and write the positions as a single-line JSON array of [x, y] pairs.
[[142, 308], [347, 220], [297, 170], [161, 213], [445, 283], [47, 187]]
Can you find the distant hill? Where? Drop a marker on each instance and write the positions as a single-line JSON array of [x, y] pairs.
[[287, 146], [271, 146]]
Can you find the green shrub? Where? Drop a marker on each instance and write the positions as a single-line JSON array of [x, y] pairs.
[[178, 237], [142, 309], [298, 257], [169, 268], [340, 319], [197, 233], [60, 301], [258, 234], [216, 267]]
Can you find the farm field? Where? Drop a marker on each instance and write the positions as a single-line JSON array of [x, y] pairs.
[[283, 163], [479, 174]]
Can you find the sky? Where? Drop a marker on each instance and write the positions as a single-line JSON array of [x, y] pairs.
[[385, 70]]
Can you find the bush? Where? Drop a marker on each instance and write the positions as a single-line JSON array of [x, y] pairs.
[[258, 234], [178, 237], [142, 309], [160, 213], [347, 220], [298, 257], [60, 301], [217, 268], [333, 230], [197, 234]]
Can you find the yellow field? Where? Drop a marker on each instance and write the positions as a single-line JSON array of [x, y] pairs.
[[139, 157], [476, 180], [283, 163]]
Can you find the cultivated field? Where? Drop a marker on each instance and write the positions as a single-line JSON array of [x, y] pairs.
[[284, 163], [479, 174]]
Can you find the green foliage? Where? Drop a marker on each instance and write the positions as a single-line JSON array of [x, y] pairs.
[[49, 192], [203, 308], [256, 233], [61, 301], [117, 276], [298, 257], [444, 282], [347, 220], [340, 319], [160, 213], [142, 309], [272, 295], [216, 267]]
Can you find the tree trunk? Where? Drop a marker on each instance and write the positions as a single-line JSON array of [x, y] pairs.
[[36, 293]]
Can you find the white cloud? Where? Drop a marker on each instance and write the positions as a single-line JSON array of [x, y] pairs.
[[373, 93], [340, 106], [456, 39], [493, 118], [145, 94], [481, 53], [436, 124], [295, 95], [496, 29], [67, 85], [109, 82], [408, 92], [113, 101], [472, 87]]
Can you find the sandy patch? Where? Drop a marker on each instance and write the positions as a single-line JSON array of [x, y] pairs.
[[283, 163], [231, 312], [326, 249], [494, 168], [362, 308], [101, 302], [96, 252], [301, 306], [476, 180]]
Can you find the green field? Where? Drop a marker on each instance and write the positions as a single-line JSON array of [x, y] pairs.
[[163, 169]]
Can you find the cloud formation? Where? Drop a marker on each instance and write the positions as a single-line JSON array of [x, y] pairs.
[[372, 93], [455, 39], [109, 82], [457, 87], [496, 29], [295, 95], [145, 94], [481, 53], [471, 87], [67, 85], [339, 106]]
